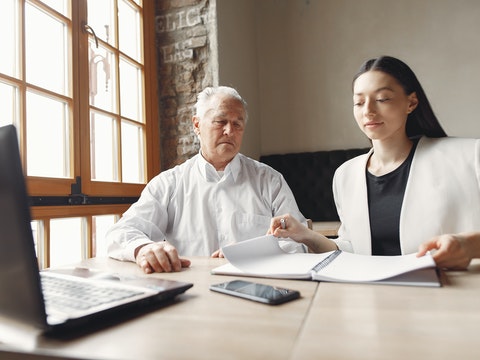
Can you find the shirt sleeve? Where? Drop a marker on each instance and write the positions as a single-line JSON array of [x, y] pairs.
[[284, 203], [144, 222]]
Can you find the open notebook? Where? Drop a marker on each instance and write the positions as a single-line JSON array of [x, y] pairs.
[[54, 301], [263, 257]]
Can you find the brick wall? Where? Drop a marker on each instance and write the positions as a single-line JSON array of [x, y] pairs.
[[185, 67]]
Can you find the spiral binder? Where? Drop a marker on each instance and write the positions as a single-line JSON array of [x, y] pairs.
[[324, 263]]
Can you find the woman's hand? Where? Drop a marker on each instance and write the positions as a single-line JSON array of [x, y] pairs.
[[287, 226], [452, 251]]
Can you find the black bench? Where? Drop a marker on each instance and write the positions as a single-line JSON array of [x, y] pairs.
[[310, 175]]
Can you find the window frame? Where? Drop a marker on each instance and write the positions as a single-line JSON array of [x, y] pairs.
[[121, 194], [39, 186]]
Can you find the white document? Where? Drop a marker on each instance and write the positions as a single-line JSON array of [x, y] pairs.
[[263, 257]]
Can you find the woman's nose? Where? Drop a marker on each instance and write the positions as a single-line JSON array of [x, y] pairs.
[[369, 109]]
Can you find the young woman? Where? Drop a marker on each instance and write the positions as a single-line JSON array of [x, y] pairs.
[[416, 190]]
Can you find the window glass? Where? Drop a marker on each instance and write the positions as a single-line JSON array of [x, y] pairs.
[[66, 240], [100, 225], [129, 30], [48, 137], [132, 153], [131, 91], [104, 146], [37, 233], [9, 38], [8, 104], [46, 61], [58, 5], [101, 18], [102, 78]]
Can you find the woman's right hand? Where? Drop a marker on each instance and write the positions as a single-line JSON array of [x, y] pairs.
[[286, 226]]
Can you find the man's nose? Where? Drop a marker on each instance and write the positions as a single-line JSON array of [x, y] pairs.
[[228, 128]]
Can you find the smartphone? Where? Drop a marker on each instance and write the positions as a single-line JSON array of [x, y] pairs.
[[266, 294]]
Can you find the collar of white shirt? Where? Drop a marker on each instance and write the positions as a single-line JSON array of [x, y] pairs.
[[210, 173]]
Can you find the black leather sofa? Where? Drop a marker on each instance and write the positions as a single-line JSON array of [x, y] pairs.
[[310, 175]]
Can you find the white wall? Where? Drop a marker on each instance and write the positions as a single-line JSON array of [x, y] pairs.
[[306, 52], [238, 62]]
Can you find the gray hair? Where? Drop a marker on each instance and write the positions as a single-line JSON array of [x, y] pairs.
[[203, 98]]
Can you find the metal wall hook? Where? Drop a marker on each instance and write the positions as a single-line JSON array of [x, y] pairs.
[[88, 29]]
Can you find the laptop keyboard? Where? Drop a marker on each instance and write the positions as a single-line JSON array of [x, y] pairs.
[[66, 295]]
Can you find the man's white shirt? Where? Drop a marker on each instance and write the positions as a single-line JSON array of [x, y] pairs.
[[199, 210]]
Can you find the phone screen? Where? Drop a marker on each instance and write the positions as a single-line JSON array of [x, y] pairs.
[[256, 292]]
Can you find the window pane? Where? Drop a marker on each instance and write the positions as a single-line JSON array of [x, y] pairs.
[[48, 137], [66, 241], [103, 148], [38, 240], [100, 226], [8, 104], [59, 5], [46, 57], [129, 30], [132, 153], [9, 40], [102, 78], [101, 17], [131, 91]]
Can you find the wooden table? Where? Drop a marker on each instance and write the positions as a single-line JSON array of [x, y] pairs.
[[330, 321], [326, 228], [355, 321]]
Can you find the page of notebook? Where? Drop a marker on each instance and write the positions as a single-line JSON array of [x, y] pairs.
[[262, 256], [366, 268]]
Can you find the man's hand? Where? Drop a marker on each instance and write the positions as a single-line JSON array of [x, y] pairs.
[[159, 257], [217, 254]]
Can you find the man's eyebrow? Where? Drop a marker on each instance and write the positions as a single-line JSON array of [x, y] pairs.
[[378, 90], [223, 114]]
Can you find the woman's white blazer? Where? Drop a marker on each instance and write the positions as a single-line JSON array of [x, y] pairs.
[[442, 195]]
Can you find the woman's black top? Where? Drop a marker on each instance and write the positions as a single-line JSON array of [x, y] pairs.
[[385, 197]]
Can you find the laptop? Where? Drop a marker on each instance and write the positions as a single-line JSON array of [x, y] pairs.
[[28, 296]]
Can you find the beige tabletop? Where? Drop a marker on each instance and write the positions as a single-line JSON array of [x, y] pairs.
[[356, 321], [329, 321], [201, 324]]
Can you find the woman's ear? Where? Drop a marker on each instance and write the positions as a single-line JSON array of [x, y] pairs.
[[413, 102]]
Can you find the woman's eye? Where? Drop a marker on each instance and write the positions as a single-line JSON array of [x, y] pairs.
[[382, 100]]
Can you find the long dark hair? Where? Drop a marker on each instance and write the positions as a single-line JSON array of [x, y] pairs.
[[422, 120]]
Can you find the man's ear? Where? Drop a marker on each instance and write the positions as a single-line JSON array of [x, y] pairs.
[[413, 102], [196, 125]]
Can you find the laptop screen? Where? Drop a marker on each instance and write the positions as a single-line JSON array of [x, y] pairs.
[[20, 294]]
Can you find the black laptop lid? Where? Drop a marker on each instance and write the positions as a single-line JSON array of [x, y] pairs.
[[20, 294]]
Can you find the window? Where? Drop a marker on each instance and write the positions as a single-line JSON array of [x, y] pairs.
[[73, 81]]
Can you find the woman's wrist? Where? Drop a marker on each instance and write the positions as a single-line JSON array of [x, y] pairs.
[[318, 243]]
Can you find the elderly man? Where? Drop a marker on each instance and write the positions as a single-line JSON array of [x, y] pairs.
[[217, 197]]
